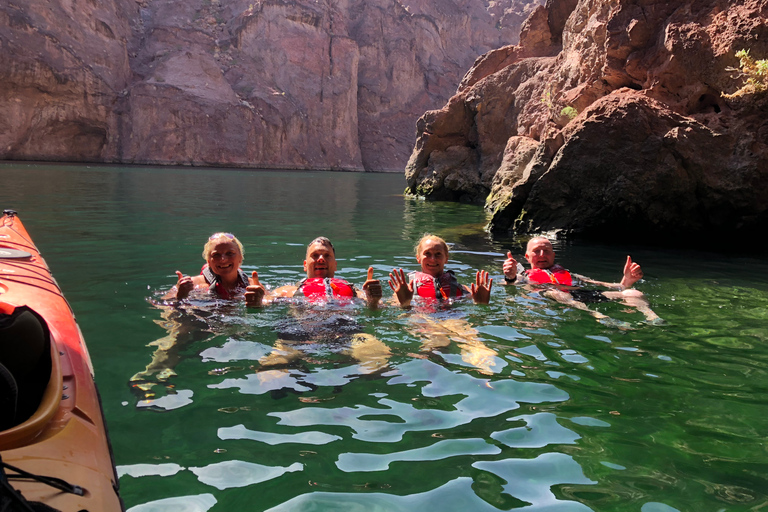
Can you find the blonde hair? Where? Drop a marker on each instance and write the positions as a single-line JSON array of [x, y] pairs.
[[428, 236], [218, 238]]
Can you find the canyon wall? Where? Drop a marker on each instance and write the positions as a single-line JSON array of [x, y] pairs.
[[63, 66], [247, 83], [610, 118]]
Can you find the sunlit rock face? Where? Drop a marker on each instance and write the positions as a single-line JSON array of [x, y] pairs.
[[63, 68], [284, 84], [651, 149]]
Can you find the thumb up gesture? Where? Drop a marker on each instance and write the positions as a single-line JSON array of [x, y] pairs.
[[254, 292], [372, 288]]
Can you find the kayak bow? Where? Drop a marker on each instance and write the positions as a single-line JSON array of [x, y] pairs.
[[51, 420]]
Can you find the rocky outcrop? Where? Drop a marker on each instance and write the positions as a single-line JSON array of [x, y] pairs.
[[254, 83], [656, 151]]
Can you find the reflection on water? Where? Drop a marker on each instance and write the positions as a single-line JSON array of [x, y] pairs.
[[430, 384], [524, 403]]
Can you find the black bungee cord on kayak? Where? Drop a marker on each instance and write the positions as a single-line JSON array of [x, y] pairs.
[[12, 500]]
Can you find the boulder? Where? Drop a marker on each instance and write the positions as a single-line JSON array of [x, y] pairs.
[[658, 176], [622, 126]]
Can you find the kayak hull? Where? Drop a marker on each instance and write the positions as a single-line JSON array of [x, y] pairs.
[[66, 436]]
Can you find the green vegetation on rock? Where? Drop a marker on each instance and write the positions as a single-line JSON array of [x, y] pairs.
[[754, 72], [569, 112]]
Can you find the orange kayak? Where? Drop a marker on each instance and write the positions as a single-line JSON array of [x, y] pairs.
[[51, 421]]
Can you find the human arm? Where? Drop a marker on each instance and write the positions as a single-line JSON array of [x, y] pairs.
[[184, 286], [254, 292], [372, 291], [632, 274], [402, 288], [481, 288], [510, 268], [287, 290]]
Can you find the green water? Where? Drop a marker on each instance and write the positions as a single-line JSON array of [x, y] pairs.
[[523, 404]]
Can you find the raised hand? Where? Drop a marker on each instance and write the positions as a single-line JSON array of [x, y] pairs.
[[632, 273], [184, 286], [481, 288], [372, 288], [398, 281], [510, 267], [254, 292]]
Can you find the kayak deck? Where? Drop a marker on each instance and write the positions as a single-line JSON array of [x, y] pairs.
[[65, 437]]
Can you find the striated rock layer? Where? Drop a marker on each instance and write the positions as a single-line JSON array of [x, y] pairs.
[[258, 83], [656, 151]]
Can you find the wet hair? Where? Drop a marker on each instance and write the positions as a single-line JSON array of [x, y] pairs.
[[324, 241], [428, 236], [218, 238]]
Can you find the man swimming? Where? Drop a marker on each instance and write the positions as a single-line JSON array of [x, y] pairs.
[[317, 320], [320, 283], [544, 271]]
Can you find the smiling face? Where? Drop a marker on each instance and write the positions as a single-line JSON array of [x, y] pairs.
[[540, 253], [321, 260], [432, 254], [224, 258]]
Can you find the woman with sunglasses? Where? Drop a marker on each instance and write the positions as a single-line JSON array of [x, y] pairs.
[[222, 275]]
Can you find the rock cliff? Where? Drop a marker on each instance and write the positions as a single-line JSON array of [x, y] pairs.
[[608, 119], [256, 83], [63, 66]]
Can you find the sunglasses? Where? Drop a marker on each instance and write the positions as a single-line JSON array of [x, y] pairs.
[[220, 235]]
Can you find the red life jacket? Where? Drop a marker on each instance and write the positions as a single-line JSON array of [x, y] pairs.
[[552, 275], [445, 286], [319, 288]]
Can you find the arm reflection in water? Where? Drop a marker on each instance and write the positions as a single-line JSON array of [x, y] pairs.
[[440, 333], [184, 326]]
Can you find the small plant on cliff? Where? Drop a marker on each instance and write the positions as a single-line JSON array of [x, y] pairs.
[[754, 72], [546, 99], [569, 112], [557, 113]]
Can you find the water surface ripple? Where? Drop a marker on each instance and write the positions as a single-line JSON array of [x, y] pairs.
[[521, 404]]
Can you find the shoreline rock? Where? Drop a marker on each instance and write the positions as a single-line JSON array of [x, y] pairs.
[[655, 152]]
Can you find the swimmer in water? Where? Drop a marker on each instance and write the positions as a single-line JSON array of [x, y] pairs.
[[433, 281], [320, 283], [436, 285], [221, 277], [222, 274], [318, 320], [544, 271]]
